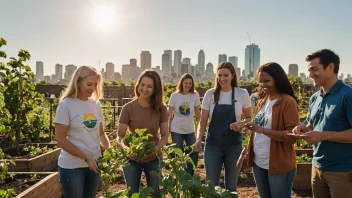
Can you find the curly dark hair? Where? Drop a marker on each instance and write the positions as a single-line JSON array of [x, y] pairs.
[[326, 57]]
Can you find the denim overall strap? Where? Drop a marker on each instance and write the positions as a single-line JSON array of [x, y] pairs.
[[219, 132]]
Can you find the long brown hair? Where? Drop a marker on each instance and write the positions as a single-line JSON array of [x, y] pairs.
[[185, 76], [234, 81], [157, 98]]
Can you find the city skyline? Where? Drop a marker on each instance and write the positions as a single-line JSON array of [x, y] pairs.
[[62, 32]]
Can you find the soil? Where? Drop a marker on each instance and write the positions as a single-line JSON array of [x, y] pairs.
[[20, 182], [246, 185]]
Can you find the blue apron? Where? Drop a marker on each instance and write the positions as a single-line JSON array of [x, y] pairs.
[[219, 132]]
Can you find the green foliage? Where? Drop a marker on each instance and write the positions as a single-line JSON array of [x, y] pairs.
[[139, 145], [18, 90], [303, 144], [178, 183], [297, 83], [246, 137], [9, 193], [114, 158], [35, 151], [169, 88], [4, 166], [304, 158], [130, 83]]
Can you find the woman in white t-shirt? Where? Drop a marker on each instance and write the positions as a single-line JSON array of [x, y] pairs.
[[223, 106], [271, 148], [183, 105], [79, 133]]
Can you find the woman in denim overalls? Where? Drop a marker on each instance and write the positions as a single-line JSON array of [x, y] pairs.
[[223, 106]]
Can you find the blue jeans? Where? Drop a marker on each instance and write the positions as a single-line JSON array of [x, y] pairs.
[[133, 172], [274, 186], [190, 140], [79, 182], [215, 158]]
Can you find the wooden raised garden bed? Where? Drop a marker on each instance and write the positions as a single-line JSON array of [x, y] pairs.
[[44, 185], [41, 163], [303, 177], [304, 172]]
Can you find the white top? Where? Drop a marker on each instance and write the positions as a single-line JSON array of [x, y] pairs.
[[83, 119], [183, 105], [241, 97], [261, 141]]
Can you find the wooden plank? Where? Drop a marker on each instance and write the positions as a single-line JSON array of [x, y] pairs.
[[303, 177], [45, 162], [47, 187]]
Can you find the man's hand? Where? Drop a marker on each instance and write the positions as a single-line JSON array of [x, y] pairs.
[[313, 137]]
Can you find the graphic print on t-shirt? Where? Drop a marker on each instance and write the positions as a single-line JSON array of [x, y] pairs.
[[261, 119], [184, 109], [89, 120]]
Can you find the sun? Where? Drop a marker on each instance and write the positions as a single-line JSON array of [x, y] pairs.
[[104, 17]]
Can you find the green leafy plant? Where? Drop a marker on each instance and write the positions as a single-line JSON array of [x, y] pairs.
[[36, 150], [303, 144], [114, 158], [139, 144], [4, 166], [178, 183], [9, 193], [18, 90], [304, 158]]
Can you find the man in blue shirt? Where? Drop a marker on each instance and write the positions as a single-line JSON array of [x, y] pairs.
[[329, 127]]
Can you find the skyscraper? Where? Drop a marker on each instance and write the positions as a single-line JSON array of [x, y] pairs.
[[293, 70], [110, 70], [58, 71], [210, 70], [146, 60], [234, 61], [186, 61], [252, 59], [69, 70], [133, 62], [222, 58], [165, 64], [201, 63], [169, 52], [39, 72], [177, 61]]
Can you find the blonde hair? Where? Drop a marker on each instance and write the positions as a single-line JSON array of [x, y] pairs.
[[81, 73]]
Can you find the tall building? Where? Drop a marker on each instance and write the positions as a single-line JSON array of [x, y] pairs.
[[234, 61], [222, 58], [293, 70], [39, 71], [146, 60], [238, 71], [110, 70], [201, 63], [252, 59], [165, 63], [169, 52], [177, 61], [69, 70], [58, 71], [303, 77], [210, 70], [133, 62], [187, 61]]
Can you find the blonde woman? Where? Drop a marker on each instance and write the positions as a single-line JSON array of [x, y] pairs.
[[183, 104], [79, 133]]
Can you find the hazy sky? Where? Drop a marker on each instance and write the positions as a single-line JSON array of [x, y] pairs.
[[72, 31]]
